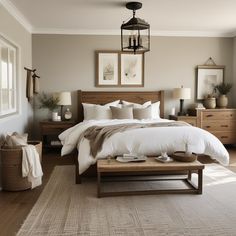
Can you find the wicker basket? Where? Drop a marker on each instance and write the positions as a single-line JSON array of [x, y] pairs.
[[11, 167]]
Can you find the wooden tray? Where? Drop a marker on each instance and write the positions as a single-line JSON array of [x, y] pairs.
[[181, 156]]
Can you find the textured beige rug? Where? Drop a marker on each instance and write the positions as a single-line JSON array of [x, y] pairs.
[[68, 209]]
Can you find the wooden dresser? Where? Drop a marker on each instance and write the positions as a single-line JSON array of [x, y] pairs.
[[220, 122]]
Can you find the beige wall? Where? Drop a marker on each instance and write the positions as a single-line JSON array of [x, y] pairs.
[[67, 62], [14, 32]]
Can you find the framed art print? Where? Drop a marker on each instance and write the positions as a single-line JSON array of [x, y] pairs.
[[107, 69], [207, 78], [132, 70]]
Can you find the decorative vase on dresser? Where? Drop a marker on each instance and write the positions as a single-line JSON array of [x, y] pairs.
[[222, 101], [210, 103]]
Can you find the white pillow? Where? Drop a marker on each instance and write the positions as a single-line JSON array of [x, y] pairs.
[[136, 105], [156, 110], [98, 112]]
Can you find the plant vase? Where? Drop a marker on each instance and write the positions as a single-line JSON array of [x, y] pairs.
[[210, 103], [54, 115], [222, 101]]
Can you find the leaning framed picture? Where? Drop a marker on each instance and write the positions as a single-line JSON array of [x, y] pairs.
[[107, 68], [207, 78], [132, 70]]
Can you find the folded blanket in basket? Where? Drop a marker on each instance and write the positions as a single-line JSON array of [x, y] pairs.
[[31, 166]]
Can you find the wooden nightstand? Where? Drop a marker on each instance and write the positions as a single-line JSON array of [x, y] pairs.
[[192, 120], [50, 131]]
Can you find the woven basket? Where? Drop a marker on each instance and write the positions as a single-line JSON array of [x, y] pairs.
[[11, 167]]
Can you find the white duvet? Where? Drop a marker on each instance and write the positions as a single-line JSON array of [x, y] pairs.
[[149, 141]]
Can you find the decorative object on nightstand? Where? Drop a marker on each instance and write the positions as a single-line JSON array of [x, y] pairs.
[[182, 94], [223, 89], [64, 100], [68, 114], [50, 102]]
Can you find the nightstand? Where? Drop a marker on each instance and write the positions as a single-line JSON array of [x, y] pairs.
[[192, 120], [50, 131]]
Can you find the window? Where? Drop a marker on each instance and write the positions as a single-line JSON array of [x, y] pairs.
[[8, 75]]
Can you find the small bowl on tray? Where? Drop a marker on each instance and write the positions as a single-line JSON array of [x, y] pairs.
[[184, 157]]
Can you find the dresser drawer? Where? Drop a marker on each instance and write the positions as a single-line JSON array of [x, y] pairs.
[[221, 125], [225, 137], [219, 115]]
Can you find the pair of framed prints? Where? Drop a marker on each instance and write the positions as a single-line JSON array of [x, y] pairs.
[[118, 69]]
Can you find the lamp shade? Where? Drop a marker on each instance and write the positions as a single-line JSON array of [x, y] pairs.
[[182, 93], [64, 98]]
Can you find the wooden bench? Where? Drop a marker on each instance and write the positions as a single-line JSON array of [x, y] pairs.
[[105, 167]]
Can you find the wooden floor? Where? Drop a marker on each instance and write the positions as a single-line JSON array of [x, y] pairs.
[[15, 206]]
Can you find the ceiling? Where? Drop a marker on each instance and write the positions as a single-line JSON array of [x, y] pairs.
[[166, 17]]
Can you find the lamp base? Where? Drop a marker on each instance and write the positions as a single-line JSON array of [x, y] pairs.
[[181, 112]]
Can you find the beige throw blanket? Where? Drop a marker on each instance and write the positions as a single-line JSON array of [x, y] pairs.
[[97, 134], [31, 166]]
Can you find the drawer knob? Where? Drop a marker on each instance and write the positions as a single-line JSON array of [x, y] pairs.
[[209, 115], [224, 126], [224, 136], [208, 126]]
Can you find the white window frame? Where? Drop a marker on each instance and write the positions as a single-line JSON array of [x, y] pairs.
[[15, 81]]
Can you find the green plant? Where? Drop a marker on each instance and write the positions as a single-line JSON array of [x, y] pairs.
[[223, 88], [48, 101]]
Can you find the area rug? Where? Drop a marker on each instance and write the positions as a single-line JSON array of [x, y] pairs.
[[64, 208]]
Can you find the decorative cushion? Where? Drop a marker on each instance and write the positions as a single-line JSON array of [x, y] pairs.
[[156, 110], [122, 113], [98, 112], [16, 139], [136, 105], [142, 113]]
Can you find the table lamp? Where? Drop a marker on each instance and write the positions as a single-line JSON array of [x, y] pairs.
[[64, 100], [182, 94]]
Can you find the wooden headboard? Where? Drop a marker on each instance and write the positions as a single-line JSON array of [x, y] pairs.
[[99, 97]]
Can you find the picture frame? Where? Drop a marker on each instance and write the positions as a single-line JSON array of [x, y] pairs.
[[107, 71], [119, 69], [132, 70], [208, 76]]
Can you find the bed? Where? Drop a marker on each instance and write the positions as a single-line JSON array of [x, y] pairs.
[[149, 141]]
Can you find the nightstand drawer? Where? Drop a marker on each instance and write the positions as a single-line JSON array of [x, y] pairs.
[[52, 130], [192, 120], [217, 115], [222, 125]]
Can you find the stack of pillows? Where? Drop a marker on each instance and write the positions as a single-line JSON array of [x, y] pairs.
[[125, 110]]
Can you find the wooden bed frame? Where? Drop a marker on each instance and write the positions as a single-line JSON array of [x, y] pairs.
[[103, 97]]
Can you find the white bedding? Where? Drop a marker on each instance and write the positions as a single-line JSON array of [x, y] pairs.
[[149, 141]]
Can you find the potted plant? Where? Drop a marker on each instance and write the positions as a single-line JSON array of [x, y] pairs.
[[223, 89], [49, 102]]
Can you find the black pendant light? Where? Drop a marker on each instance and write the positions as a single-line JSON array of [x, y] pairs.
[[135, 33]]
